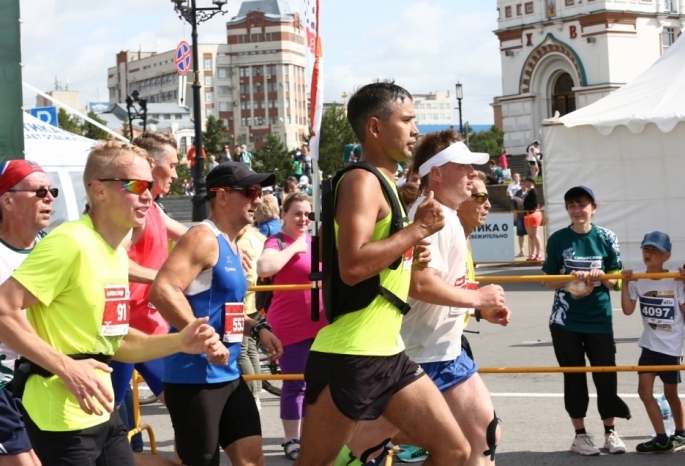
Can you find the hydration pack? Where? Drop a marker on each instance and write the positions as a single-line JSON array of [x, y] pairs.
[[339, 298]]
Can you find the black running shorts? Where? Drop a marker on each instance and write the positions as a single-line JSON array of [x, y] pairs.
[[361, 386], [103, 445], [208, 416]]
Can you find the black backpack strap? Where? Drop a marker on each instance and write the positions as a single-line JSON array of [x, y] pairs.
[[397, 207], [393, 299]]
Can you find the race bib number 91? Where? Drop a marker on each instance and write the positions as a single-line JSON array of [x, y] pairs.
[[234, 323], [116, 315], [657, 310]]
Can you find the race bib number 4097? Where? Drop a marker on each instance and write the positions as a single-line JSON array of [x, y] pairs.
[[657, 310], [116, 315]]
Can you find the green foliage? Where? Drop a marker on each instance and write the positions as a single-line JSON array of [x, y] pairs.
[[273, 157], [93, 132], [240, 140], [213, 137], [69, 123], [126, 130], [491, 141], [335, 133]]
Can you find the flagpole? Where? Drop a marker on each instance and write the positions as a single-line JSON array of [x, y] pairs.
[[314, 50]]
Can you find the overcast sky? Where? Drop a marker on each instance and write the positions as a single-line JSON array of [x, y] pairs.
[[425, 45]]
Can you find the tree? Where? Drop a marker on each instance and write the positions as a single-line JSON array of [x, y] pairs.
[[213, 137], [69, 123], [491, 141], [335, 133], [273, 157], [93, 132], [240, 140]]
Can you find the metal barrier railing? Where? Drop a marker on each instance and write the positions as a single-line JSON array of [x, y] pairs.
[[495, 279], [514, 370]]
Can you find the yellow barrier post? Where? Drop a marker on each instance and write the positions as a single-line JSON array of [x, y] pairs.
[[135, 380]]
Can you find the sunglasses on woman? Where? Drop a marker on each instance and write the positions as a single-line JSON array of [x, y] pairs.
[[40, 192], [251, 192], [134, 186], [480, 198]]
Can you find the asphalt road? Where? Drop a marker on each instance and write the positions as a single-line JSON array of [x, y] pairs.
[[536, 428]]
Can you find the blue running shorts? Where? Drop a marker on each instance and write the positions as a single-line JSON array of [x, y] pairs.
[[446, 374]]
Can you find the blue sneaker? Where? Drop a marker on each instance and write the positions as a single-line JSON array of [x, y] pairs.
[[412, 454]]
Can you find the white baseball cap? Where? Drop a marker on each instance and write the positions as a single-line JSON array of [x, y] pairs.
[[304, 179], [457, 153]]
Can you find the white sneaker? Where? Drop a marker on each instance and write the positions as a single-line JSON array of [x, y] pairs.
[[613, 443], [583, 445]]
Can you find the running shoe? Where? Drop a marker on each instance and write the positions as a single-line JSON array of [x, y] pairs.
[[653, 447], [613, 443], [412, 454], [678, 442], [583, 445]]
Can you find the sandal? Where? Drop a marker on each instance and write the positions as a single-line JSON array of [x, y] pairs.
[[293, 452], [520, 255]]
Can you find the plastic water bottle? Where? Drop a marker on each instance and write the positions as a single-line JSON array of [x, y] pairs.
[[666, 414]]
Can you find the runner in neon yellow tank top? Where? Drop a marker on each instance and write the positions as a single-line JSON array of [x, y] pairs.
[[74, 284], [350, 380]]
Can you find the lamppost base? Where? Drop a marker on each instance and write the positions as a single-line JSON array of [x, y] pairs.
[[200, 208]]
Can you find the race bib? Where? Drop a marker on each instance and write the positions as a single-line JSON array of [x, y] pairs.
[[117, 314], [658, 312], [234, 323], [465, 284], [408, 259]]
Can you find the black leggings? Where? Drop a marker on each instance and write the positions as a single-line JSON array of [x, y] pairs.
[[570, 349]]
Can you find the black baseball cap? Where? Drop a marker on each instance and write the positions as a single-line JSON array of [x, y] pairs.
[[578, 191], [229, 174]]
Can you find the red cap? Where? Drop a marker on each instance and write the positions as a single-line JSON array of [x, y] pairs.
[[13, 171]]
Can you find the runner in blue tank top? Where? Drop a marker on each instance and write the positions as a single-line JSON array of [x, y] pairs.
[[209, 403]]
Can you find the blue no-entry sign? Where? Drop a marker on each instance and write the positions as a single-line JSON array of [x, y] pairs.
[[182, 57]]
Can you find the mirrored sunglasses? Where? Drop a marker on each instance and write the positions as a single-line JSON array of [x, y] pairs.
[[133, 186]]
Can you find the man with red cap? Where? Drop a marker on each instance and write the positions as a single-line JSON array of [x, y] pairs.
[[25, 205]]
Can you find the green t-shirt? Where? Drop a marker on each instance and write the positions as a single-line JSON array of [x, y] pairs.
[[568, 251], [348, 150], [375, 330], [75, 275], [297, 168]]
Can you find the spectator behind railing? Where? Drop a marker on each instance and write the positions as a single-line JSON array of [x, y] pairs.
[[267, 216], [289, 313]]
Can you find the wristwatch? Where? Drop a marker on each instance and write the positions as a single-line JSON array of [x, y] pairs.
[[254, 333], [476, 314]]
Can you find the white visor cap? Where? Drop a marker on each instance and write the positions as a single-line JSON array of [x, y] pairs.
[[457, 153]]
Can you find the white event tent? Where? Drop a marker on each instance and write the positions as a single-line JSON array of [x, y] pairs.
[[629, 148], [63, 156]]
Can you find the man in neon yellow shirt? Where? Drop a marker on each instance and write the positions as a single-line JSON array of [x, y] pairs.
[[357, 369], [75, 287]]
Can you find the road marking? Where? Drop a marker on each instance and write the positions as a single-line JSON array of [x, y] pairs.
[[552, 395]]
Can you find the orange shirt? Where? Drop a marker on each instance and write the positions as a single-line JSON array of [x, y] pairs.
[[191, 155]]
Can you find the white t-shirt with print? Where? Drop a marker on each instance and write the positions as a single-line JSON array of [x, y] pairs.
[[658, 301], [512, 188], [10, 259], [432, 333]]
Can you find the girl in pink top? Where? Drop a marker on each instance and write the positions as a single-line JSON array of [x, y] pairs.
[[290, 311]]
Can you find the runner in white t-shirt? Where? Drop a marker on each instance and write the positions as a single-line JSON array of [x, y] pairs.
[[442, 303], [26, 197]]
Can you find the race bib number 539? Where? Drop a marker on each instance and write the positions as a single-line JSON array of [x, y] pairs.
[[234, 322], [116, 314]]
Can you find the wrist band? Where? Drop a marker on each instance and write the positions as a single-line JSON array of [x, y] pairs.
[[476, 314], [254, 332]]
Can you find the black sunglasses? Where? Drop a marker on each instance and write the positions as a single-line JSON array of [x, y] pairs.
[[40, 192], [480, 198]]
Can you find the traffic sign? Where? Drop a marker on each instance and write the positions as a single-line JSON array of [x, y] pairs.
[[46, 114], [182, 57]]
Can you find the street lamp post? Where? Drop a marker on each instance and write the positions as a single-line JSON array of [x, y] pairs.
[[136, 113], [188, 10], [460, 95]]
